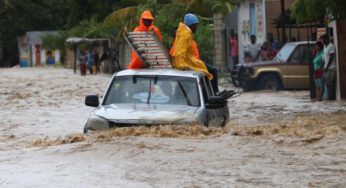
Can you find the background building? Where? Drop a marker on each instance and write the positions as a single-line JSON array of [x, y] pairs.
[[31, 51]]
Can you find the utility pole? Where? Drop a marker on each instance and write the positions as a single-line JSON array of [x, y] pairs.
[[283, 29]]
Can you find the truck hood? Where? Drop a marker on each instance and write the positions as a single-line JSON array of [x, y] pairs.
[[147, 113], [262, 63]]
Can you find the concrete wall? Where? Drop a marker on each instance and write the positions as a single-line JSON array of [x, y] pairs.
[[124, 55], [244, 22]]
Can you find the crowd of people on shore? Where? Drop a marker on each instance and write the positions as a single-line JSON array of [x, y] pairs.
[[254, 52], [324, 66]]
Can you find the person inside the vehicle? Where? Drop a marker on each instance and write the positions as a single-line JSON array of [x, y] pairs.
[[146, 23], [184, 57]]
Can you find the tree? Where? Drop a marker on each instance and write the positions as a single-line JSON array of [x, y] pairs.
[[19, 16], [311, 10]]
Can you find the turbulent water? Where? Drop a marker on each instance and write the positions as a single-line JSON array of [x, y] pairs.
[[278, 139]]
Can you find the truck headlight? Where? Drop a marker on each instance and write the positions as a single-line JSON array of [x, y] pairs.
[[97, 123]]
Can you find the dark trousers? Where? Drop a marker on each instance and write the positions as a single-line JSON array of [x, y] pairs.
[[214, 82]]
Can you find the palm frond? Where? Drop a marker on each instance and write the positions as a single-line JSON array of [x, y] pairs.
[[229, 7], [119, 16]]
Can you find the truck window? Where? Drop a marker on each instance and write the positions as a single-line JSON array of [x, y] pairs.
[[298, 55], [153, 90], [205, 89], [308, 57]]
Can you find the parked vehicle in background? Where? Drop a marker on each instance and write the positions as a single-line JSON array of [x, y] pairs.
[[288, 70], [158, 97]]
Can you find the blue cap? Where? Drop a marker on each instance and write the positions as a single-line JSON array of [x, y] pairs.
[[190, 19]]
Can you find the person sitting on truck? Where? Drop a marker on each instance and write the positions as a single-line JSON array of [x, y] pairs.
[[184, 55], [210, 68], [146, 24]]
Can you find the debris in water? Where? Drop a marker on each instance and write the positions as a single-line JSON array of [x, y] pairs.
[[311, 128], [166, 131], [59, 141]]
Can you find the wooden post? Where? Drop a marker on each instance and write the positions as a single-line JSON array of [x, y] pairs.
[[283, 17], [311, 70], [75, 58]]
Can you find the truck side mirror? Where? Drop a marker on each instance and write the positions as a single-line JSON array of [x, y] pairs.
[[216, 102], [92, 100]]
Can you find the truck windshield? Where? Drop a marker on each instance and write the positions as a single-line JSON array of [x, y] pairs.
[[153, 90], [285, 52]]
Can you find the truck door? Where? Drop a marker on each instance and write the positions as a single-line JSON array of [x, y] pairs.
[[297, 70], [214, 116]]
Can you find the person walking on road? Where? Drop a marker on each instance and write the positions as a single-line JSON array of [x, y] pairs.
[[90, 61]]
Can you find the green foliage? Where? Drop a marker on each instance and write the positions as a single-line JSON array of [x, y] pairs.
[[116, 22], [98, 19], [220, 6], [310, 10], [87, 9], [88, 29], [205, 40], [54, 41], [167, 21], [19, 16]]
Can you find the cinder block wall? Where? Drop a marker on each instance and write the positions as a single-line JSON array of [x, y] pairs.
[[124, 55]]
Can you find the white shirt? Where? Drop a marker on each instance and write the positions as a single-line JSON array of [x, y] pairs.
[[328, 50], [253, 50]]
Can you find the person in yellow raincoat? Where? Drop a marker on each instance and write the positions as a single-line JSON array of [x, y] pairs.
[[146, 23], [184, 51]]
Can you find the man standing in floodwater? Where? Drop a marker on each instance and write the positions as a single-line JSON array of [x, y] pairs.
[[329, 67], [146, 24]]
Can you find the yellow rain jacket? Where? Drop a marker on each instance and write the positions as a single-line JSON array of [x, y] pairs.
[[184, 55]]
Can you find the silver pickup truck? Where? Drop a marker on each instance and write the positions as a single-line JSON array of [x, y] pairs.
[[158, 97]]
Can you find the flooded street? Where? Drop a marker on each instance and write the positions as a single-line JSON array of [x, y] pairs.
[[274, 139]]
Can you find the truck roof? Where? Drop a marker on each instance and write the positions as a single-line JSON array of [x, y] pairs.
[[159, 72], [302, 42]]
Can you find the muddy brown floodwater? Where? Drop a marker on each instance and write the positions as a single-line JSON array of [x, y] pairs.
[[274, 139]]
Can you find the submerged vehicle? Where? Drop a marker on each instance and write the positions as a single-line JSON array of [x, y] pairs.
[[158, 97]]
